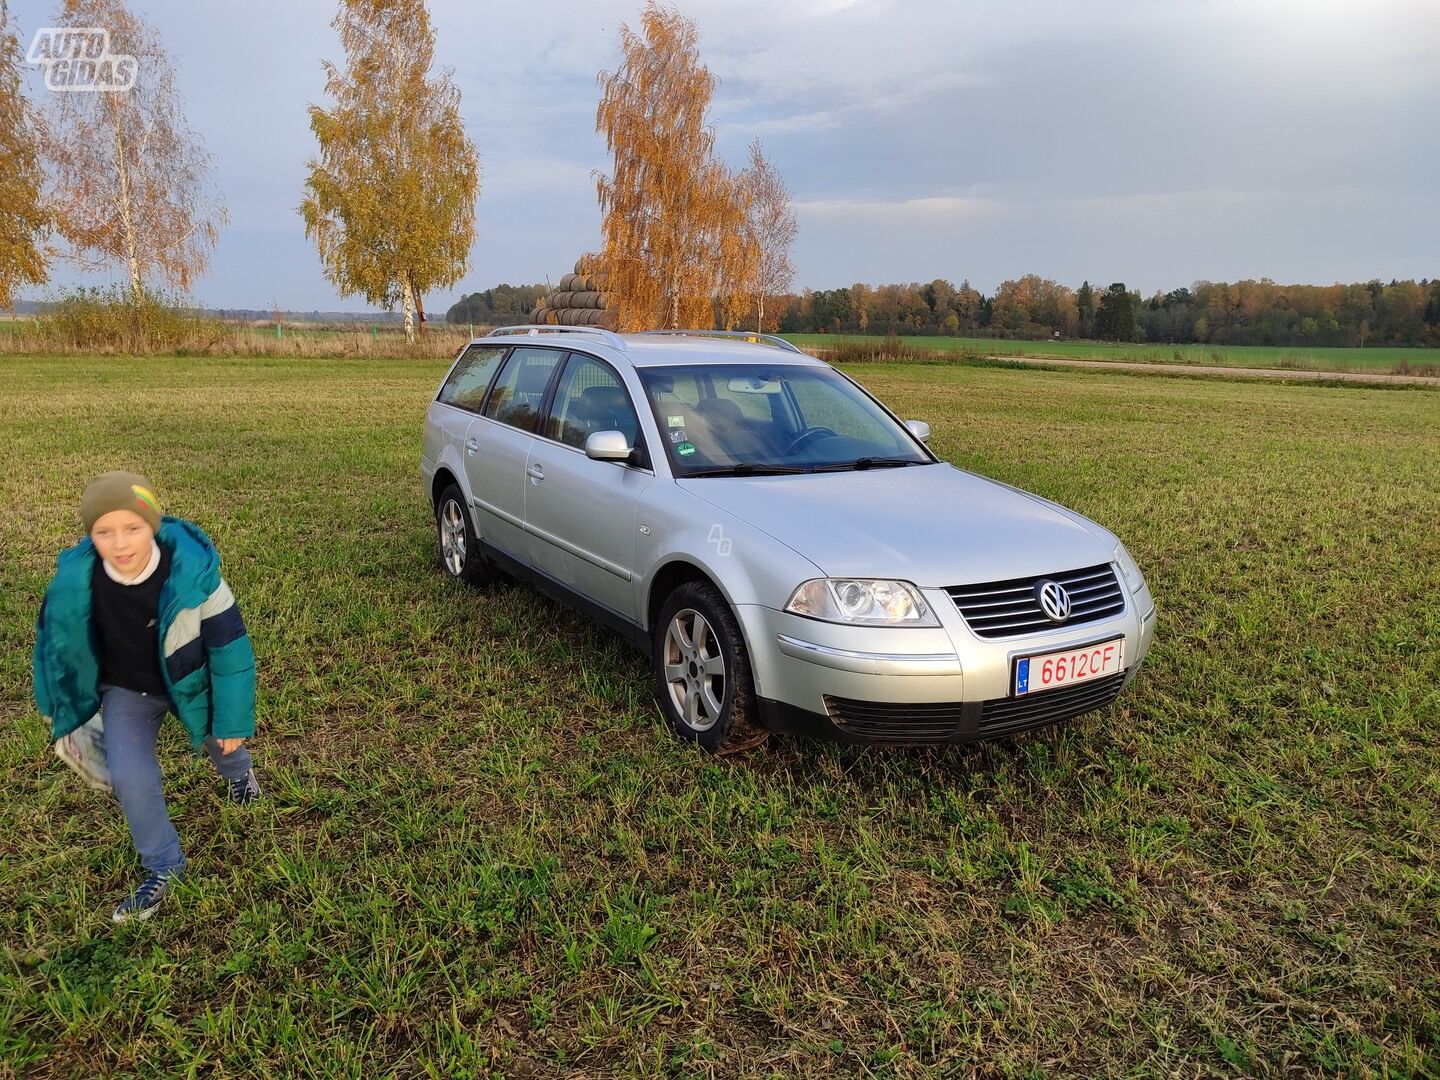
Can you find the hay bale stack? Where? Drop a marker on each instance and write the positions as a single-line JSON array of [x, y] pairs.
[[579, 299]]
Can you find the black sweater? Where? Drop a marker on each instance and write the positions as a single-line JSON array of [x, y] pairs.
[[126, 620]]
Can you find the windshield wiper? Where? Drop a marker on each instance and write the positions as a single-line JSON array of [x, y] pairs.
[[749, 469], [868, 463]]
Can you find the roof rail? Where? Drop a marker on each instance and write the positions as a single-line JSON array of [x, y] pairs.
[[536, 329], [754, 339]]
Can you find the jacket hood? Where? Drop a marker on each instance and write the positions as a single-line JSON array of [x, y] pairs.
[[933, 525], [194, 562]]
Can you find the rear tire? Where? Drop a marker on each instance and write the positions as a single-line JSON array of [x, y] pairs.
[[702, 671], [457, 546]]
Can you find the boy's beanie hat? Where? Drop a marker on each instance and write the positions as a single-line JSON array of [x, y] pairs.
[[119, 491]]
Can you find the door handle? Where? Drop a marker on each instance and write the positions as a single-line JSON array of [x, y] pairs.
[[535, 471], [472, 446]]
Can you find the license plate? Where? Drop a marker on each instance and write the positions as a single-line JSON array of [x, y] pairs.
[[1046, 671]]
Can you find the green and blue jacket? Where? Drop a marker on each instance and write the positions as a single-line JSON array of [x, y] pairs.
[[206, 658]]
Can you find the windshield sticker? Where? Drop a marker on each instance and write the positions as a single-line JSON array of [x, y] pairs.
[[677, 436], [677, 421], [685, 449]]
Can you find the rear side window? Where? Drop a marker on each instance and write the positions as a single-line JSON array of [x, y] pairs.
[[470, 378], [520, 387], [590, 398]]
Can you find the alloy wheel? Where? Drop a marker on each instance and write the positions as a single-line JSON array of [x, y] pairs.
[[452, 537], [694, 669]]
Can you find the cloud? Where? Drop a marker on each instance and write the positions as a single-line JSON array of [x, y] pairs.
[[906, 211]]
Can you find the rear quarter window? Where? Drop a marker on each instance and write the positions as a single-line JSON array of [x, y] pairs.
[[470, 378]]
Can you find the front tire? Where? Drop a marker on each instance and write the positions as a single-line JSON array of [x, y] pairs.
[[457, 545], [702, 671]]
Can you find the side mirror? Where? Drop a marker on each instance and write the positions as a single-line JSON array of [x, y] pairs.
[[920, 429], [608, 446]]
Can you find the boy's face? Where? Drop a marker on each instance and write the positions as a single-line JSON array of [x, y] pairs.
[[122, 537]]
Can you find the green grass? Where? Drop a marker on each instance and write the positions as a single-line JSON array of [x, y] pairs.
[[480, 852], [1421, 361]]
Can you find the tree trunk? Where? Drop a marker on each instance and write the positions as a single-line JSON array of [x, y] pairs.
[[407, 298], [760, 313], [419, 306], [127, 218]]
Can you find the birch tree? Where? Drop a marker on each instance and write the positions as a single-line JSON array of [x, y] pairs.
[[130, 182], [390, 200], [736, 257], [670, 209], [771, 229], [23, 218]]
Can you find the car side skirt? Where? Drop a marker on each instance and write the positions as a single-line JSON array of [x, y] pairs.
[[630, 630]]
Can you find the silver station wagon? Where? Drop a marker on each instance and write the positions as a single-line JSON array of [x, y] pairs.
[[789, 554]]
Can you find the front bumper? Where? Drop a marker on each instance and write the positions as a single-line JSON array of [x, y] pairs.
[[923, 684]]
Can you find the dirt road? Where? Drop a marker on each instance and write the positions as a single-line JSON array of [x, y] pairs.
[[1250, 373]]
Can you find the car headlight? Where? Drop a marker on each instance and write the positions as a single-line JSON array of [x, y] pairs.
[[1130, 568], [862, 601]]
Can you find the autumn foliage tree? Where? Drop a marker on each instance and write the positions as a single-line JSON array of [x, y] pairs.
[[1033, 306], [390, 200], [130, 180], [737, 264], [674, 217], [23, 219]]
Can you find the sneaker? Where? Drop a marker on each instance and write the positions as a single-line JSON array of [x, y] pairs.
[[246, 790], [145, 900]]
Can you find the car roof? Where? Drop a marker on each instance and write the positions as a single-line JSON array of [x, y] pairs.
[[657, 350], [645, 351]]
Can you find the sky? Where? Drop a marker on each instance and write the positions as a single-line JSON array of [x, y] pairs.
[[1155, 142]]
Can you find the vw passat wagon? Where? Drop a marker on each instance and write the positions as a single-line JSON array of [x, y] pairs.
[[787, 552]]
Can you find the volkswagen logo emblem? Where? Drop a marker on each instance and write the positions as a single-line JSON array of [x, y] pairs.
[[1054, 600]]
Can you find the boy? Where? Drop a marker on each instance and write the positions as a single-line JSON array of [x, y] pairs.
[[137, 622]]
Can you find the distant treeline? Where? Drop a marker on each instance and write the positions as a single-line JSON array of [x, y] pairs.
[[1209, 312], [498, 306], [1242, 313]]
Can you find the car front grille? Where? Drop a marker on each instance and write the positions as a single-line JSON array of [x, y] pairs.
[[999, 609], [956, 721]]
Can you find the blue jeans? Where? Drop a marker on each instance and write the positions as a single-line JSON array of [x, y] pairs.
[[132, 721]]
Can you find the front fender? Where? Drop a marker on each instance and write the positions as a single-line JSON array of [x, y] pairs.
[[749, 566]]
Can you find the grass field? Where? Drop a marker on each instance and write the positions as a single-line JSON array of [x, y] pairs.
[[1419, 361], [481, 853]]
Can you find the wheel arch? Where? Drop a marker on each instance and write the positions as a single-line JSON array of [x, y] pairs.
[[678, 570], [668, 578], [442, 479]]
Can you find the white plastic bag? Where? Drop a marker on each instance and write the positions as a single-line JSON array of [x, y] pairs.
[[84, 751]]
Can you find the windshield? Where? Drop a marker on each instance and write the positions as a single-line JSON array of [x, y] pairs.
[[737, 419]]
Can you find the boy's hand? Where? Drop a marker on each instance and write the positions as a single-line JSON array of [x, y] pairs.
[[229, 746]]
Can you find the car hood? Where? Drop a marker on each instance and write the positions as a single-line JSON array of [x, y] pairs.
[[933, 525]]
